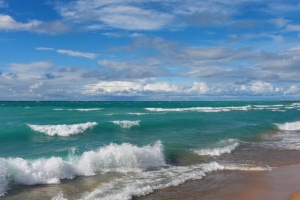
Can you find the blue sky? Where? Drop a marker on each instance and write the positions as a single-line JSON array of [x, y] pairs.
[[149, 50]]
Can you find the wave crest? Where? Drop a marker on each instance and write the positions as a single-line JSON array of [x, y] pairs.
[[63, 129], [127, 124], [225, 146], [289, 126]]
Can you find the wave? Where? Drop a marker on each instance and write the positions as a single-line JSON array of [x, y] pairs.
[[126, 123], [80, 109], [201, 109], [122, 158], [149, 181], [63, 129], [225, 146], [289, 126]]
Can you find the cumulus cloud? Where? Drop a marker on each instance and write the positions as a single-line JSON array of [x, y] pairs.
[[77, 53]]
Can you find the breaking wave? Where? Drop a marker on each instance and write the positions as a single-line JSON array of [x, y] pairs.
[[122, 158], [126, 123], [225, 146], [63, 129], [289, 126]]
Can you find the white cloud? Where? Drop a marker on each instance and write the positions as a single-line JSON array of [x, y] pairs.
[[30, 67], [36, 85], [262, 87], [2, 4], [292, 90], [114, 87], [45, 49], [7, 23], [77, 53]]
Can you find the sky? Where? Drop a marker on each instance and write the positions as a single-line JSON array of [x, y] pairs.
[[88, 50]]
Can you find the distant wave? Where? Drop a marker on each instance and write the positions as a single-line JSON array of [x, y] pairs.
[[63, 129], [122, 158], [224, 146], [126, 123], [80, 109], [201, 109], [289, 126]]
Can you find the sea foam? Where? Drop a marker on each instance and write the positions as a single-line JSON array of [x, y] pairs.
[[122, 158], [126, 123], [63, 129], [149, 181], [289, 126], [224, 146]]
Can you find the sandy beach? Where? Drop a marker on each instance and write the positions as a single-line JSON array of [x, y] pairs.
[[278, 184]]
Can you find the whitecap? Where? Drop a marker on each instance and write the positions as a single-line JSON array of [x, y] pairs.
[[289, 126], [126, 123], [80, 109], [201, 109], [62, 129]]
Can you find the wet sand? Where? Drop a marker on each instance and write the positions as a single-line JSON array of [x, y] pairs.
[[277, 184]]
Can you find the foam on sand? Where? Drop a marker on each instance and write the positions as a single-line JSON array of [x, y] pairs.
[[127, 124], [289, 126], [149, 181], [222, 147], [62, 129]]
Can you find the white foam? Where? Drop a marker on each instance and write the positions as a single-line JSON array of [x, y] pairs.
[[148, 181], [59, 196], [283, 140], [80, 109], [289, 126], [112, 158], [138, 113], [224, 146], [3, 178], [63, 129], [201, 109], [126, 123]]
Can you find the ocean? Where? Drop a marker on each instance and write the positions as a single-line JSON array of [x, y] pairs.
[[123, 150]]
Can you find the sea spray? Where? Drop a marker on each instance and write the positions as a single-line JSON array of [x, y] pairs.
[[63, 129]]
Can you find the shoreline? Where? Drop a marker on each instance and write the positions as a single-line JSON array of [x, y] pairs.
[[278, 184]]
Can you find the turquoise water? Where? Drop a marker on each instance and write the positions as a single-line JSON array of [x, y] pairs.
[[49, 142]]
